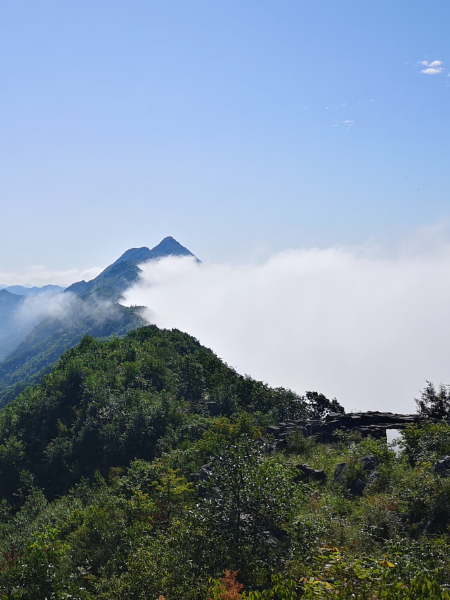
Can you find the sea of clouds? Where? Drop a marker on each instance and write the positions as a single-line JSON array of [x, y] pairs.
[[350, 323]]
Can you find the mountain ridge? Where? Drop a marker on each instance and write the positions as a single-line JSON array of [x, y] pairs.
[[21, 290], [94, 310], [119, 275]]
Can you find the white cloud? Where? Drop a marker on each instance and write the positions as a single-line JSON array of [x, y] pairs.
[[364, 328], [432, 71], [38, 275], [432, 68]]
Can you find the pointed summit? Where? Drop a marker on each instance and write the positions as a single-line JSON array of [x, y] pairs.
[[116, 278], [169, 247]]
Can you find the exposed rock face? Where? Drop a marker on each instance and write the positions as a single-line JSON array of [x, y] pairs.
[[340, 473], [308, 474], [369, 463], [442, 466], [373, 424], [355, 487]]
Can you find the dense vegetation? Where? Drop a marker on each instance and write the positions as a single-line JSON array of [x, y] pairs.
[[103, 496]]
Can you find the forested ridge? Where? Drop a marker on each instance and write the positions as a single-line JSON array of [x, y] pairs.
[[89, 308], [141, 467]]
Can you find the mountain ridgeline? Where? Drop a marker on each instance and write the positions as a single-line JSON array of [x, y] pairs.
[[22, 290], [91, 308], [122, 273]]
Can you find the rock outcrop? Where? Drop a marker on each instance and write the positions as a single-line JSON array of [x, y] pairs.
[[307, 474], [442, 466], [365, 472], [371, 423]]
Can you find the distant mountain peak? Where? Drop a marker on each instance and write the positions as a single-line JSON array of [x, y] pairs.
[[170, 247], [167, 247], [118, 276]]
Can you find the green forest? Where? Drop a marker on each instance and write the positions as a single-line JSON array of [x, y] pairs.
[[143, 468]]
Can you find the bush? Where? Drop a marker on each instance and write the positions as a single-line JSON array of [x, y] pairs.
[[425, 442]]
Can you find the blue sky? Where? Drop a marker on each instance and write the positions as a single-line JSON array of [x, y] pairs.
[[241, 128]]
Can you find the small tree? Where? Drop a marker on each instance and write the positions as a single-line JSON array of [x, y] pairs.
[[319, 405], [249, 501], [434, 404]]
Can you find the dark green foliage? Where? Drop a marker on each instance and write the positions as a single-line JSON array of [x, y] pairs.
[[426, 442], [249, 502], [107, 403], [435, 403], [319, 405], [119, 483]]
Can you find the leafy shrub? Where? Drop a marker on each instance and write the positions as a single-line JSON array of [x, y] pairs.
[[426, 499], [425, 442], [249, 504], [297, 443]]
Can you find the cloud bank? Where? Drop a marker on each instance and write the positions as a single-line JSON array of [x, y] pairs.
[[365, 329]]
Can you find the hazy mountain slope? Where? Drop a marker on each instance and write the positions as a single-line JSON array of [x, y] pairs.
[[45, 344], [30, 353], [11, 333], [111, 286], [8, 305], [167, 247]]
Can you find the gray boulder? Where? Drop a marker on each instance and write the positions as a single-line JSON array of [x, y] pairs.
[[357, 486], [369, 463], [308, 474], [442, 466]]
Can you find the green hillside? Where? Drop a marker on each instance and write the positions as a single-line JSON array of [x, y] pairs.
[[125, 394], [141, 468]]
